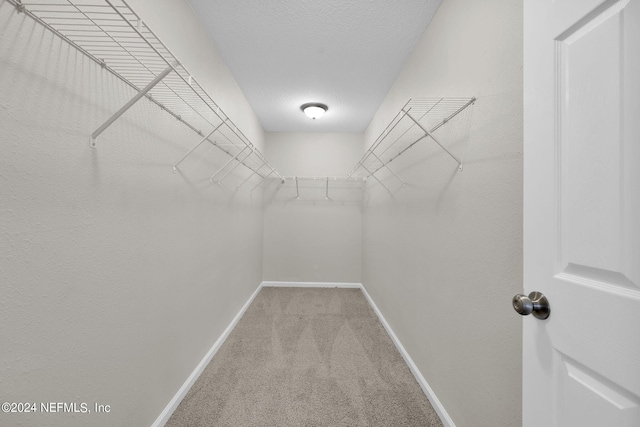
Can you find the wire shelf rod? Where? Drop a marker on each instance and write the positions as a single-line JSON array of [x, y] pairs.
[[415, 107], [146, 42], [230, 137], [115, 41], [322, 186], [401, 152], [73, 18], [99, 48], [31, 4], [255, 151], [85, 30], [66, 11], [197, 111], [316, 178], [396, 120], [161, 56], [153, 47], [440, 124], [22, 9], [386, 165], [392, 143], [407, 112], [266, 162], [388, 129], [232, 155], [114, 36], [454, 106]]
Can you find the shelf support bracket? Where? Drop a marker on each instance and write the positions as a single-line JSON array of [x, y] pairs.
[[228, 163], [326, 195], [249, 177], [236, 165], [262, 180], [427, 133], [362, 185], [175, 167], [128, 105], [388, 168], [376, 178]]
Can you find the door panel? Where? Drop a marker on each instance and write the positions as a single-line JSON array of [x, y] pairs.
[[590, 145], [581, 366], [602, 402]]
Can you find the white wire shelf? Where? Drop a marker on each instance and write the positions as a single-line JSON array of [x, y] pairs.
[[322, 188], [416, 121], [113, 35]]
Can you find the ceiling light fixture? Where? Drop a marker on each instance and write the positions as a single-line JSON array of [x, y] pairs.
[[314, 110]]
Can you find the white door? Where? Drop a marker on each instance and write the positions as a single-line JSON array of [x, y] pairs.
[[581, 366]]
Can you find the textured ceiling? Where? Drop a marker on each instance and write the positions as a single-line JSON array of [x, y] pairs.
[[343, 53]]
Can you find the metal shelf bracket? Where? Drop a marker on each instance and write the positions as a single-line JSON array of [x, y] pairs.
[[324, 188], [116, 38], [417, 120], [129, 104]]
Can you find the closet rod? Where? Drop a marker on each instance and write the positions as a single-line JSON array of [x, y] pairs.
[[113, 35]]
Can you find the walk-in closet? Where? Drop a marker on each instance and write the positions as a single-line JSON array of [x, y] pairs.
[[299, 213]]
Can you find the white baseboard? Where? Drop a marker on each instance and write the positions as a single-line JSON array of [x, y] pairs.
[[182, 392], [311, 284], [428, 391]]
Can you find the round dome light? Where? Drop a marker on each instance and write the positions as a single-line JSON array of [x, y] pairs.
[[314, 110]]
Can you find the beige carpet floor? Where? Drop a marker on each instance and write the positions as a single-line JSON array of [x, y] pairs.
[[307, 357]]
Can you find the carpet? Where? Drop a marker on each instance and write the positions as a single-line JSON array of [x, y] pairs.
[[306, 357]]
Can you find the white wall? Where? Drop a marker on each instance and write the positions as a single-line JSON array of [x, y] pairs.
[[312, 239], [116, 274], [443, 258]]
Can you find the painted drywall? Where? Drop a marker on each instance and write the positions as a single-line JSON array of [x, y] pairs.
[[312, 239], [116, 274], [443, 257]]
